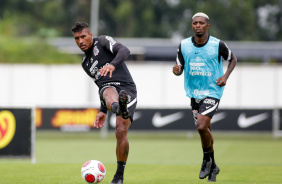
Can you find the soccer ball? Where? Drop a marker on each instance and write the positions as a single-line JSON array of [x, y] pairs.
[[93, 171]]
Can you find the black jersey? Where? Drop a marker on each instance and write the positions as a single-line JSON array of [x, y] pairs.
[[104, 51]]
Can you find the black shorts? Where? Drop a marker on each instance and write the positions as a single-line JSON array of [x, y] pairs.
[[206, 106], [132, 97]]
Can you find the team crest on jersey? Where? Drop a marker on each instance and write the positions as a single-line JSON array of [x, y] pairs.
[[95, 51]]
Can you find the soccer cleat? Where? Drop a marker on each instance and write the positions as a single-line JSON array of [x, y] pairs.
[[213, 173], [123, 111], [117, 180], [206, 168]]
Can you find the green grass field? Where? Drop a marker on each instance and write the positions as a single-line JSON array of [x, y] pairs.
[[157, 158]]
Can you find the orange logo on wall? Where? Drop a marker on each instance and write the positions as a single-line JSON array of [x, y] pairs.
[[7, 128], [38, 117], [74, 117]]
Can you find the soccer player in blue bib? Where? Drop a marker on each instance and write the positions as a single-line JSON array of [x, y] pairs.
[[200, 57]]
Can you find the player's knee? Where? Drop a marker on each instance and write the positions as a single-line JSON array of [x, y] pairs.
[[121, 131], [201, 127], [110, 95]]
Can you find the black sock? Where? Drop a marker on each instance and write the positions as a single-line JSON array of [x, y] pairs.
[[213, 162], [114, 107], [207, 154], [120, 169]]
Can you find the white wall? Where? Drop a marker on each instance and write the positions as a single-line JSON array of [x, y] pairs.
[[251, 86]]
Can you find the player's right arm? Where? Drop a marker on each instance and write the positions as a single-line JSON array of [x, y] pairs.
[[100, 120], [101, 117], [178, 68]]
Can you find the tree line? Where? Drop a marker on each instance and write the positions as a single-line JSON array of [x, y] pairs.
[[256, 20]]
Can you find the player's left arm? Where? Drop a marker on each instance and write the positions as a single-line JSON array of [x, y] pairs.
[[226, 53], [121, 53]]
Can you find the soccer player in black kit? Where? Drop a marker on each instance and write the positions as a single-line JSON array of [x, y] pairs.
[[104, 62]]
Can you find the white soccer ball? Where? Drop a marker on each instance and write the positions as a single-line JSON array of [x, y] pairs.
[[93, 171]]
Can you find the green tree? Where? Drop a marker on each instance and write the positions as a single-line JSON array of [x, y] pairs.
[[230, 19]]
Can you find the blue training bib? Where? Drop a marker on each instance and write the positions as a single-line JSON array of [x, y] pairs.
[[202, 68]]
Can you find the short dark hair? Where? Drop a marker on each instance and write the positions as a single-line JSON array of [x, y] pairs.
[[79, 26]]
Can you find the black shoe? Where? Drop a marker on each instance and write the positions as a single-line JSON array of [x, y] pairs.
[[117, 182], [213, 173], [123, 111], [206, 168]]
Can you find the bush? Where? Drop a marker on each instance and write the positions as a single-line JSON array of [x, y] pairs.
[[32, 50]]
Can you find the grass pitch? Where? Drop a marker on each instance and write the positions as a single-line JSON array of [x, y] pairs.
[[154, 158]]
